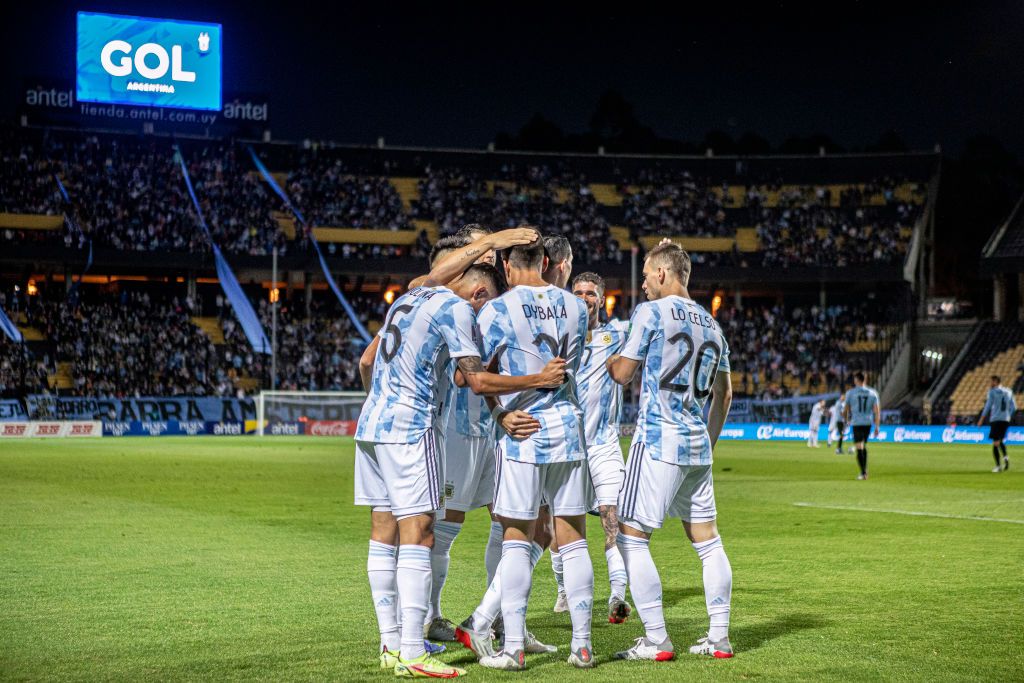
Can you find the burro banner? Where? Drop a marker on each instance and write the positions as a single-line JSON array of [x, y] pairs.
[[948, 434]]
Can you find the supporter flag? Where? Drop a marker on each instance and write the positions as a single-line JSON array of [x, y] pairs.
[[228, 282], [316, 245], [10, 329]]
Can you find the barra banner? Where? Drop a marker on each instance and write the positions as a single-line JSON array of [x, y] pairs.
[[888, 433], [184, 408]]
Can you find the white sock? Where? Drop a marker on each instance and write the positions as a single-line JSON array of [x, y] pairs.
[[492, 556], [557, 567], [490, 607], [380, 569], [440, 558], [717, 585], [616, 572], [644, 584], [516, 577], [414, 590], [579, 590]]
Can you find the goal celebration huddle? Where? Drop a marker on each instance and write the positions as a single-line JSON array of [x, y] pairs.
[[503, 390]]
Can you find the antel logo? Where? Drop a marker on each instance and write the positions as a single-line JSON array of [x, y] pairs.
[[764, 432], [328, 428], [123, 67]]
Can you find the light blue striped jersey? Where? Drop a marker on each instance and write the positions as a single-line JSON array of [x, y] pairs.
[[468, 413], [525, 328], [424, 329], [682, 349], [600, 397], [999, 405], [862, 402]]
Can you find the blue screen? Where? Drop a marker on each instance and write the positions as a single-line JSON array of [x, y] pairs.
[[148, 62]]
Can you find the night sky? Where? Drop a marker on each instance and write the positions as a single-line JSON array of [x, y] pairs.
[[934, 73]]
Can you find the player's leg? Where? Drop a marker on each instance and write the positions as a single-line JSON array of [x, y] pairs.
[[607, 471], [568, 490], [840, 428], [644, 500], [997, 432], [370, 490], [465, 465], [695, 505], [413, 476], [517, 504], [860, 443]]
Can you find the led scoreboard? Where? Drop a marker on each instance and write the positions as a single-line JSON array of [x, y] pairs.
[[148, 62]]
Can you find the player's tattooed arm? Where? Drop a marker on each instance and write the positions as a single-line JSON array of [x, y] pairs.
[[457, 262], [721, 399], [621, 369], [471, 373], [366, 363]]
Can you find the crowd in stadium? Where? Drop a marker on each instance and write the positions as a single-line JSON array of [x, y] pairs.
[[128, 194], [802, 347]]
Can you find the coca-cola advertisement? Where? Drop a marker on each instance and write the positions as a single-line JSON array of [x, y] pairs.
[[331, 428]]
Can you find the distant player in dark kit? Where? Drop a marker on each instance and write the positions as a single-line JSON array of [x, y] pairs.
[[999, 407], [862, 409]]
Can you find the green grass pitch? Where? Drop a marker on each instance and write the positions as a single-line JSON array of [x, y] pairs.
[[242, 558]]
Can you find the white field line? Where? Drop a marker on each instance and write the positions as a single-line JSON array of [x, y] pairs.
[[909, 512]]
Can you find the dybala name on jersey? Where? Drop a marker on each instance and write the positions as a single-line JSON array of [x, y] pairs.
[[544, 312]]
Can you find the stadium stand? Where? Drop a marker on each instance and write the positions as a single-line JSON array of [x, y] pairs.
[[994, 349], [127, 194]]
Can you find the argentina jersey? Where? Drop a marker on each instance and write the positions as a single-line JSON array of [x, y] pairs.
[[524, 329], [1000, 405], [682, 348], [469, 414], [425, 328], [862, 402], [600, 397]]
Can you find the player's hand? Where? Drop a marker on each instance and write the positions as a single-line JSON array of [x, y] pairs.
[[519, 424], [877, 432], [553, 374], [513, 237], [979, 423]]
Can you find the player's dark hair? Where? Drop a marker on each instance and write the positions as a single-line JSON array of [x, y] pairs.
[[674, 258], [527, 256], [467, 231], [997, 379], [593, 278], [445, 246], [558, 249], [489, 274], [860, 376]]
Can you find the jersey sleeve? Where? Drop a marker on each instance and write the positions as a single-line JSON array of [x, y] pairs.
[[1013, 402], [642, 327], [987, 408], [458, 329], [723, 362]]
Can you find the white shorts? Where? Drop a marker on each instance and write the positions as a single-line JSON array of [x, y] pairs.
[[654, 490], [520, 488], [607, 470], [403, 478], [468, 471]]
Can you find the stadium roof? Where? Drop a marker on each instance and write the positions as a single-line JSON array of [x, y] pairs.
[[1004, 252]]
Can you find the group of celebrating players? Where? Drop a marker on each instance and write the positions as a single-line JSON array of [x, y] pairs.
[[503, 390]]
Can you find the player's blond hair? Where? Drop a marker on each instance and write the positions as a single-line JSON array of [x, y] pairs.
[[674, 258]]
